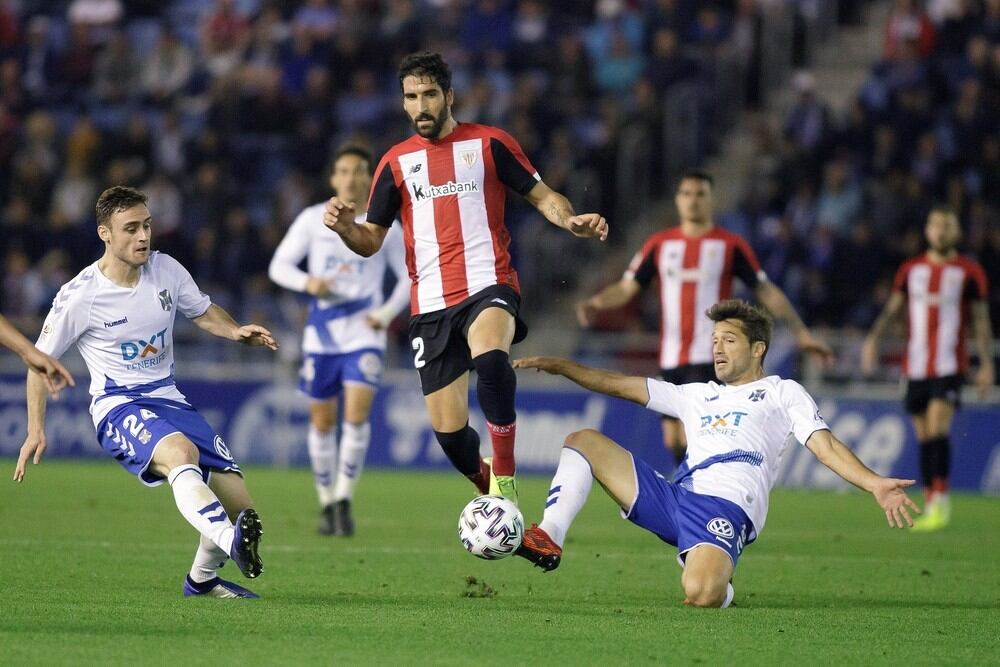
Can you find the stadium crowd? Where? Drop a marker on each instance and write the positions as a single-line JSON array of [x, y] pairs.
[[226, 112], [836, 201]]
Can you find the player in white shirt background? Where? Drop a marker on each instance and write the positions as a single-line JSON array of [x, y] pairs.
[[344, 340], [737, 430], [120, 312]]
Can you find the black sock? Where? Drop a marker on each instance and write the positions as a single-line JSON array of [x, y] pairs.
[[462, 449], [943, 460], [495, 387], [928, 462]]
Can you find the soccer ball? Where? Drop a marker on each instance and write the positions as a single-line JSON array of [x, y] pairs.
[[491, 527]]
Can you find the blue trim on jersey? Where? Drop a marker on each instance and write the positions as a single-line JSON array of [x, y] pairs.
[[318, 317], [735, 456], [112, 388]]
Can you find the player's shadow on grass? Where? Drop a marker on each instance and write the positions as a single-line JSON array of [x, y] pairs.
[[859, 601]]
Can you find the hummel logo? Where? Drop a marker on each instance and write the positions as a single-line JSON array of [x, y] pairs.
[[711, 398], [415, 168], [498, 300], [108, 325]]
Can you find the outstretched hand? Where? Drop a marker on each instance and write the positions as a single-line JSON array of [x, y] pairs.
[[547, 364], [254, 334], [890, 496], [53, 373], [33, 448], [588, 225]]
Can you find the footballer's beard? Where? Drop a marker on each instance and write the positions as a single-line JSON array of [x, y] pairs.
[[437, 124], [943, 248]]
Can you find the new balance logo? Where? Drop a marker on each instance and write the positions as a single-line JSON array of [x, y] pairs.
[[415, 168], [421, 192]]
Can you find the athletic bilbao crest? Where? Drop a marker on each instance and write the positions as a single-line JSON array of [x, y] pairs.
[[468, 157]]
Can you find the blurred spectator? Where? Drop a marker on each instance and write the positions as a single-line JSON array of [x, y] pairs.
[[74, 194], [167, 67], [98, 17], [316, 19], [116, 71], [667, 64], [808, 121], [839, 199], [907, 22], [224, 35]]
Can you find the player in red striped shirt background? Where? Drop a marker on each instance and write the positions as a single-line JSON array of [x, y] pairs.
[[696, 263], [448, 184], [942, 291]]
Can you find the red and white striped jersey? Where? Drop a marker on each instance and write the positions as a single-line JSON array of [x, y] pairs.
[[938, 297], [695, 273], [450, 195]]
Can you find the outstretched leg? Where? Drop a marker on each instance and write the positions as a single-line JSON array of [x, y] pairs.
[[587, 455]]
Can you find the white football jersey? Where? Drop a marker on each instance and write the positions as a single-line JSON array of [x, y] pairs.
[[125, 334], [339, 324], [738, 433]]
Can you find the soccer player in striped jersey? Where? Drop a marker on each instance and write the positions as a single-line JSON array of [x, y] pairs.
[[696, 263], [940, 290], [120, 311], [447, 184], [54, 374], [738, 429], [344, 339]]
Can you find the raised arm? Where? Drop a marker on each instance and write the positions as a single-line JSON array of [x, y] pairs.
[[983, 332], [869, 350], [557, 210], [604, 382], [364, 239], [54, 374], [775, 301], [34, 444], [613, 296], [218, 322], [888, 492]]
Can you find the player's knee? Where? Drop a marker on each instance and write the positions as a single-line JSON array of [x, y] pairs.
[[323, 423], [586, 441], [177, 452], [702, 592]]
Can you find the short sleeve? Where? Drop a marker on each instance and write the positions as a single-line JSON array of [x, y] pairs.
[[513, 167], [802, 410], [665, 397], [899, 281], [66, 322], [976, 287], [642, 268], [191, 301], [746, 267], [384, 200]]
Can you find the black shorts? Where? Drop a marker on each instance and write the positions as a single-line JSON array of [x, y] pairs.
[[919, 393], [439, 340], [689, 373]]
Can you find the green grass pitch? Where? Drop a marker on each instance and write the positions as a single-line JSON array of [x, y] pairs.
[[92, 565]]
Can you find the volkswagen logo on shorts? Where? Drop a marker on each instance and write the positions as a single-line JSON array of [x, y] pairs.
[[721, 527], [222, 449]]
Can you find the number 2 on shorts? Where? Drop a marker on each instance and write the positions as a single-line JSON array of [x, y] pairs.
[[418, 352]]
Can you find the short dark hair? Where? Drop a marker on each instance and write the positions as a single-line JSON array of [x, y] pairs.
[[115, 199], [426, 64], [356, 150], [754, 321], [697, 175]]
